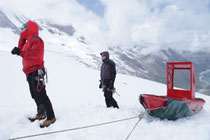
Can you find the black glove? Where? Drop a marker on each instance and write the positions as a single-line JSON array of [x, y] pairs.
[[100, 85], [111, 86], [16, 50]]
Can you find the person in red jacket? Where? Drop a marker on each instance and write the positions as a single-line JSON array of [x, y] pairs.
[[31, 49]]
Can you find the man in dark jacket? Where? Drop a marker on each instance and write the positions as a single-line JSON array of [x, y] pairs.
[[108, 74], [31, 49]]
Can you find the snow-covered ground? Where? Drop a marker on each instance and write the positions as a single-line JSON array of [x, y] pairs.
[[77, 101]]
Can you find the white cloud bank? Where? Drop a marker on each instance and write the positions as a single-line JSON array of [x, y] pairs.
[[180, 24], [62, 12]]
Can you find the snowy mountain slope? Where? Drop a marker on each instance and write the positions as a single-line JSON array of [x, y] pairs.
[[7, 23], [62, 39], [131, 61], [77, 101]]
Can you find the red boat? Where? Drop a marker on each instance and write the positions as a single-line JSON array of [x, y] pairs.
[[178, 103]]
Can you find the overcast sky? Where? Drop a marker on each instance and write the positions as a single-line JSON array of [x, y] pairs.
[[180, 24]]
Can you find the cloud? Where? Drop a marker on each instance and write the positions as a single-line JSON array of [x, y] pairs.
[[120, 17], [156, 24], [63, 12]]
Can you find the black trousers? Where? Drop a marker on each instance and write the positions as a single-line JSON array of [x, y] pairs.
[[110, 101], [40, 97]]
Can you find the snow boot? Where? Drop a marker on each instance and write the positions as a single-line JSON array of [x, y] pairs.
[[116, 107], [47, 123], [37, 117]]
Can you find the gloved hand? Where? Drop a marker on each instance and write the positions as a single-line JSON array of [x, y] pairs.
[[100, 85], [16, 50], [111, 86]]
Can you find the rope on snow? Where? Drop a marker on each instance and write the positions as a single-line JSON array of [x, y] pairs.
[[83, 127], [140, 117]]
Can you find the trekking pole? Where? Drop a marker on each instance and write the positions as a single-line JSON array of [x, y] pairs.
[[117, 93]]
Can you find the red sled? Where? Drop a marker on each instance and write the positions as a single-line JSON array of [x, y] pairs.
[[178, 103]]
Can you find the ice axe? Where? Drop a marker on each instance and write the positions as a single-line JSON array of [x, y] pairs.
[[117, 93], [114, 91]]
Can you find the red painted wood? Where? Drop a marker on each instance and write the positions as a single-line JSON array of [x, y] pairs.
[[174, 93], [153, 102]]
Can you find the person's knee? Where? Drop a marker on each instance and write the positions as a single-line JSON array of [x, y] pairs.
[[108, 97], [33, 94], [42, 98]]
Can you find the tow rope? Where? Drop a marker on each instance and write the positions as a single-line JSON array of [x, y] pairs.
[[140, 117], [83, 127]]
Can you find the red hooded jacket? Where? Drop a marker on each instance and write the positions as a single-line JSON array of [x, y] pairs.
[[32, 48]]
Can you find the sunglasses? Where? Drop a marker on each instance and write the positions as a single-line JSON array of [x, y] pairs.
[[24, 27]]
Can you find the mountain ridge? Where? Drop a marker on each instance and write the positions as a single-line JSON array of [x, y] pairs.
[[131, 61]]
